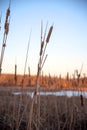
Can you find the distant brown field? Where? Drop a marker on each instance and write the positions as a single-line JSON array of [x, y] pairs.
[[44, 81]]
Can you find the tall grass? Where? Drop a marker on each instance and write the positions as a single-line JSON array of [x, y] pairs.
[[56, 112]]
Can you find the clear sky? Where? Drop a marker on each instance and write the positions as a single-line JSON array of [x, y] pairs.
[[67, 48]]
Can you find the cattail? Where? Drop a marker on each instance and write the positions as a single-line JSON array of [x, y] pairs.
[[6, 27], [49, 34], [8, 12], [41, 49], [29, 71], [81, 98], [15, 77]]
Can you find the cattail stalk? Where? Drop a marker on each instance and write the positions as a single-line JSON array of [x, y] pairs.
[[15, 78], [81, 99], [41, 62]]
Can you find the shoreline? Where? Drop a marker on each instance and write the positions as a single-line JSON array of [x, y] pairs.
[[41, 89]]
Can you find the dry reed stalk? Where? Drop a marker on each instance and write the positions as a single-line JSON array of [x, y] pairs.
[[57, 114], [21, 118], [29, 82], [35, 98], [14, 108], [81, 99], [19, 108], [29, 126]]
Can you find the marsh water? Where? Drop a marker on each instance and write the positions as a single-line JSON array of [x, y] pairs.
[[68, 93]]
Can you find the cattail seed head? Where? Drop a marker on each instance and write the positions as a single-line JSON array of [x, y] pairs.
[[49, 34], [41, 49]]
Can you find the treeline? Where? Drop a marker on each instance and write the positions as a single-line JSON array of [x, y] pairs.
[[49, 81]]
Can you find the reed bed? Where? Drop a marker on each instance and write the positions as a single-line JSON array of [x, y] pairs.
[[56, 112]]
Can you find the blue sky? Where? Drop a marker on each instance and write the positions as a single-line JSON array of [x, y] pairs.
[[67, 48]]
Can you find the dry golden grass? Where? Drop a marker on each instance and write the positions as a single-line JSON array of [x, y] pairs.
[[46, 81], [56, 112]]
